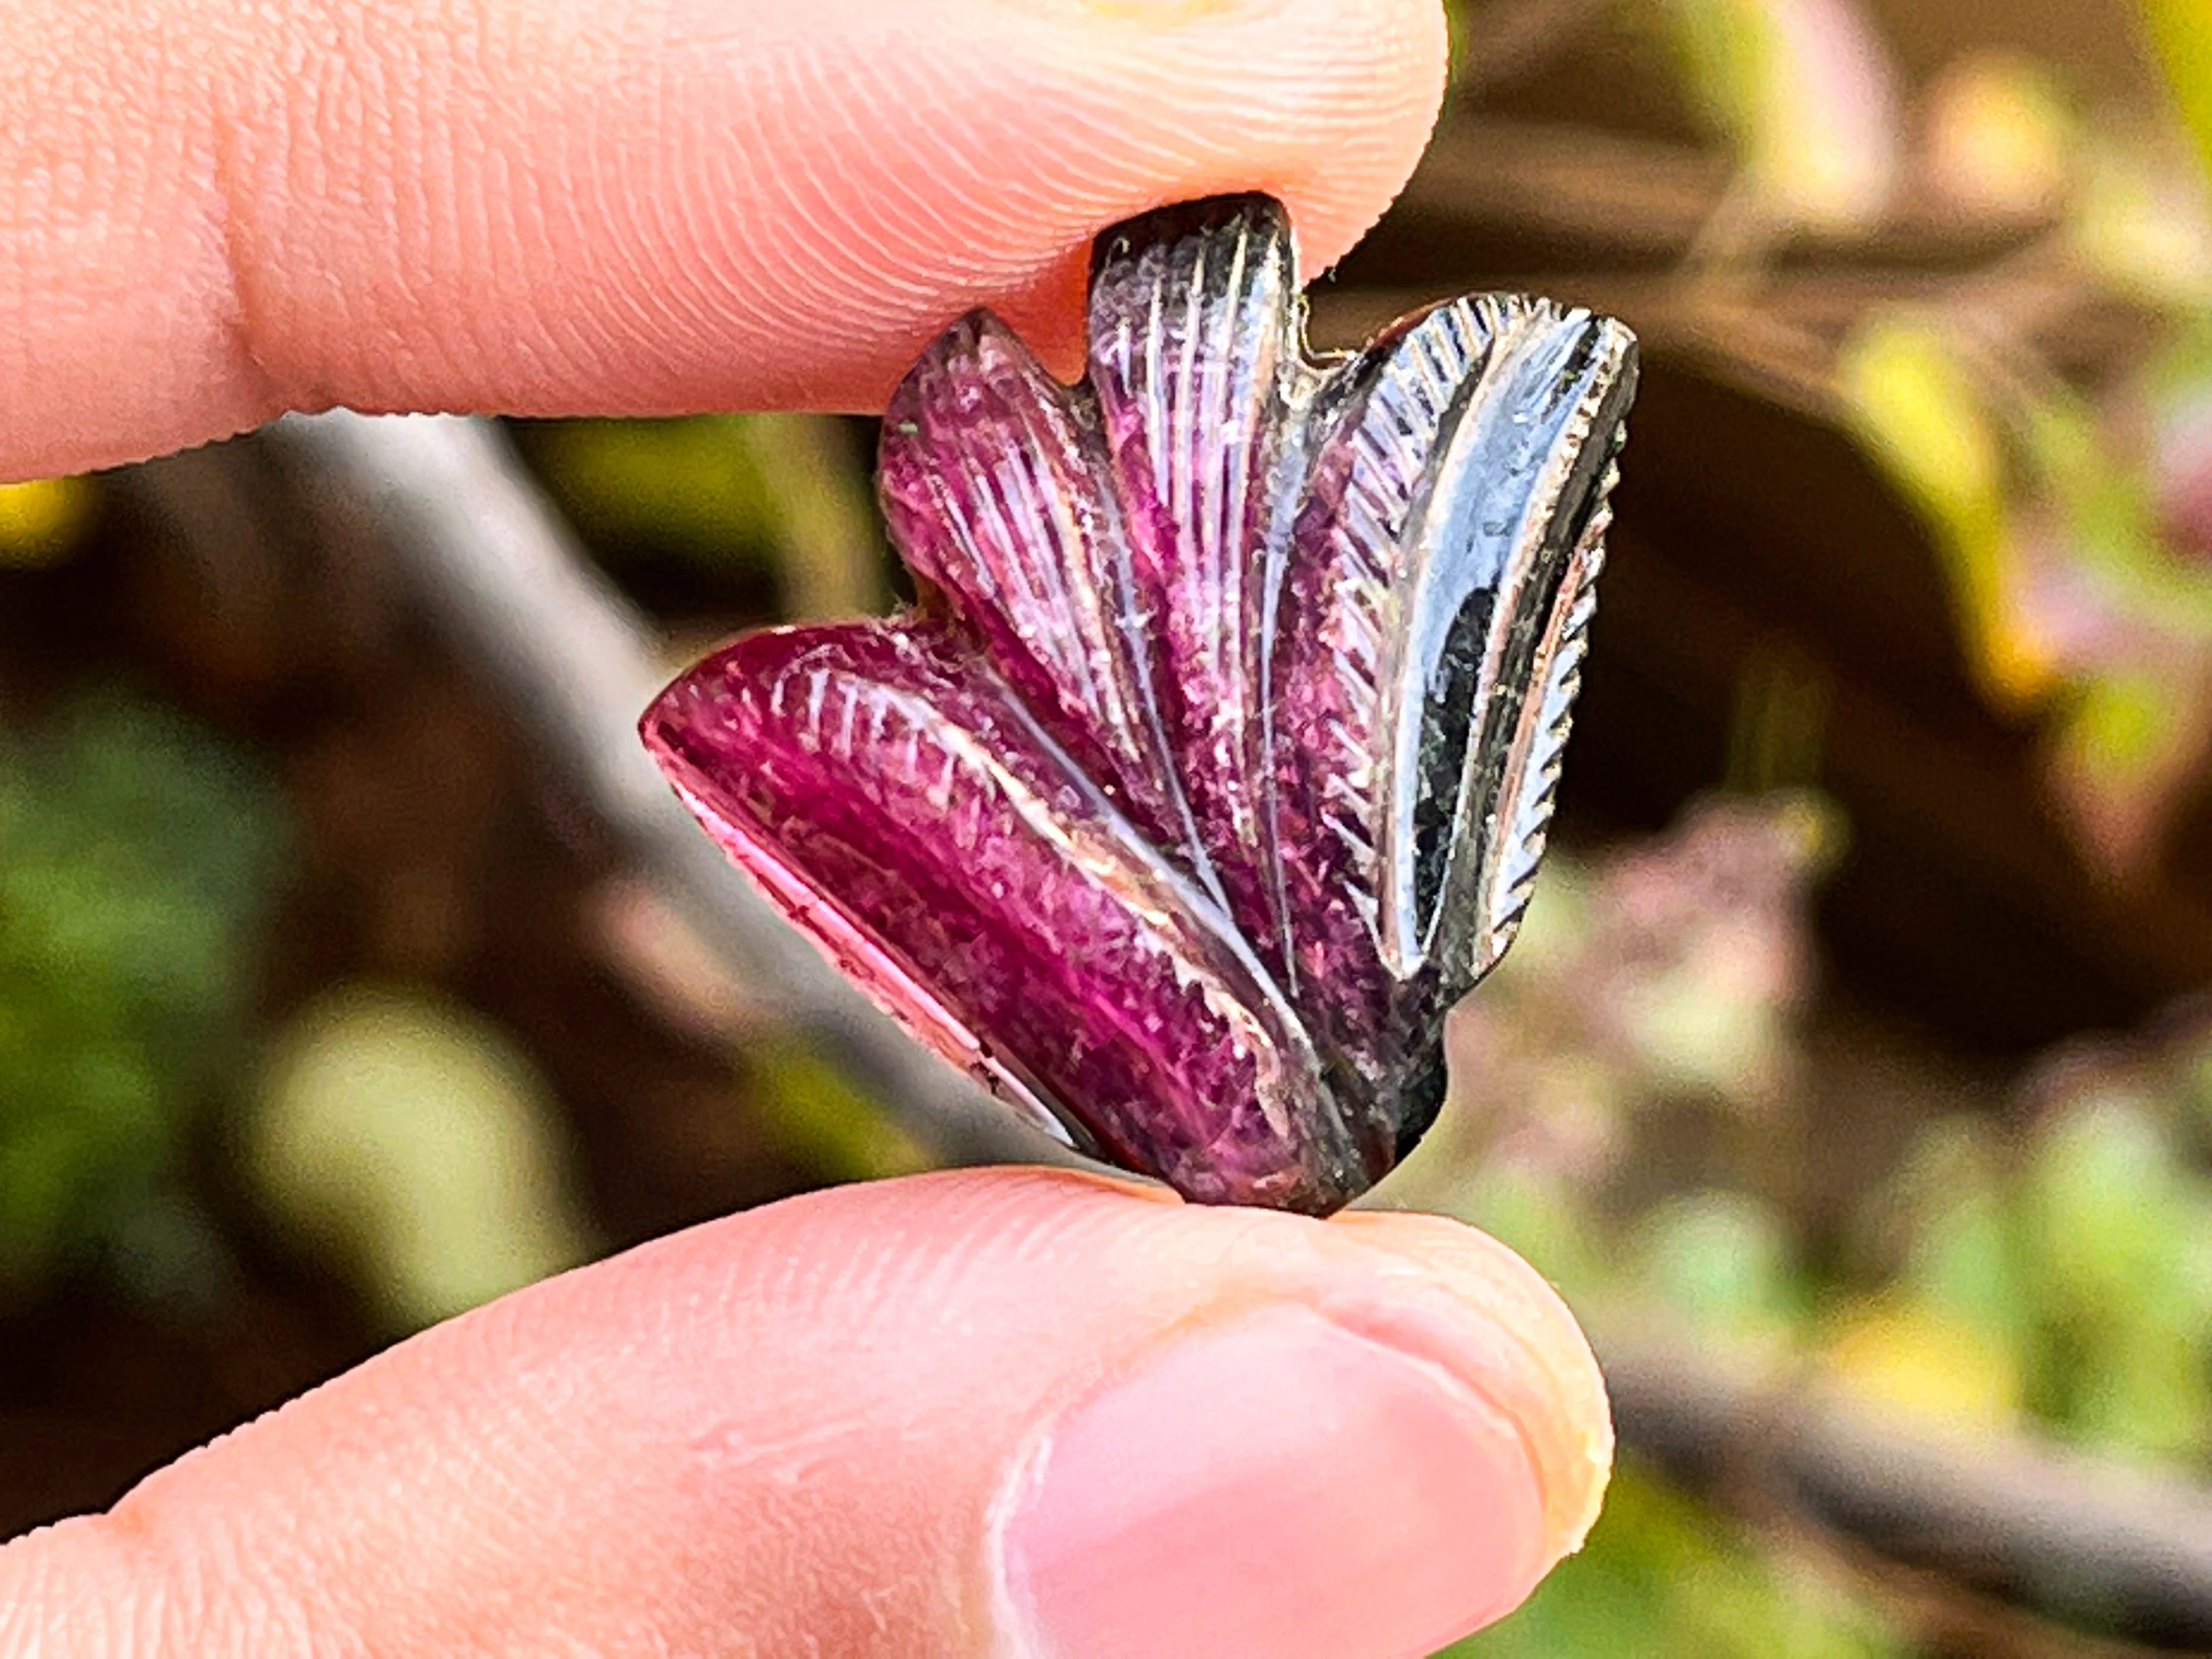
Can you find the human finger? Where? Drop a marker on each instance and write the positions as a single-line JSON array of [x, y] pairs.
[[210, 213], [1005, 1412]]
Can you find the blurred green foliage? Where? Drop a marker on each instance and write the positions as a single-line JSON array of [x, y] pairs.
[[1918, 410], [415, 1143], [2057, 1276], [2181, 32], [1804, 93], [777, 494], [822, 1123], [2077, 596], [2072, 526], [2081, 1265], [2044, 1271], [694, 486], [1661, 1575], [138, 853], [42, 521]]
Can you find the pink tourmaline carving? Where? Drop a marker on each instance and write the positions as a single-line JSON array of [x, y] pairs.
[[1216, 761]]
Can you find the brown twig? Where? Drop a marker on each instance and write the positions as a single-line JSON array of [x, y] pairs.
[[1647, 201], [1754, 348], [2063, 1532], [1506, 39]]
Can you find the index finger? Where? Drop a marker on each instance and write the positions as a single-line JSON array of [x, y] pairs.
[[212, 213], [1005, 1412]]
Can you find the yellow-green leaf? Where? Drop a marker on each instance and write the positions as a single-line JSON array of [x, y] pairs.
[[2181, 32], [414, 1144], [42, 521], [1922, 414]]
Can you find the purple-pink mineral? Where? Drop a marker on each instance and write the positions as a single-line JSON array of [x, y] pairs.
[[1215, 764]]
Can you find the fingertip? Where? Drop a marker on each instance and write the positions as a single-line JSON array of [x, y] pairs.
[[669, 205], [1380, 1434], [1275, 1482], [1527, 1351]]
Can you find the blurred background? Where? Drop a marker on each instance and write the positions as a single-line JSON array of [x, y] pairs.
[[1853, 1076]]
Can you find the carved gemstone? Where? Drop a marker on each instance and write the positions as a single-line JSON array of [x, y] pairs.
[[1215, 763]]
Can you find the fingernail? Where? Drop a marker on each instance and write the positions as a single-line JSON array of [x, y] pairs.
[[1280, 1485]]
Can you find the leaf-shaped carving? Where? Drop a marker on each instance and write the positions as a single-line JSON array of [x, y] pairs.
[[1217, 760]]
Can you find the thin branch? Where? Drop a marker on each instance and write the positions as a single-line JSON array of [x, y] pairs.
[[1643, 200], [2069, 1534], [1507, 40], [1754, 348], [503, 573], [1625, 196]]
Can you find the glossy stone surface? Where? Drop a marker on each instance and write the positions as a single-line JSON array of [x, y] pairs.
[[1216, 763]]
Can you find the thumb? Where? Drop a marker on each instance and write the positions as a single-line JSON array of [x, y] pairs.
[[211, 212], [1009, 1411]]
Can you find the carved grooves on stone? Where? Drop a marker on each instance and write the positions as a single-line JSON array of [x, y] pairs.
[[994, 485], [953, 852], [1115, 817], [1191, 346], [1528, 827], [1345, 590]]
